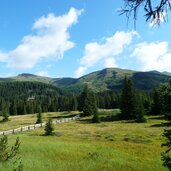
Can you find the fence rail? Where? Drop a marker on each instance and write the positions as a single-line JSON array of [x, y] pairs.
[[36, 126]]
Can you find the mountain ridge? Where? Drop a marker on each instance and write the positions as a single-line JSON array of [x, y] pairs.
[[102, 80]]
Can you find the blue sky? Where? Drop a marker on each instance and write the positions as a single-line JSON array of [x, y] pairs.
[[74, 37]]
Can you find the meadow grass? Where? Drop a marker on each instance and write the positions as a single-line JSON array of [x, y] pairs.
[[24, 120], [84, 146]]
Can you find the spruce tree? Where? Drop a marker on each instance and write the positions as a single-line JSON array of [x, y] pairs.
[[39, 115], [89, 104], [96, 118], [13, 109], [49, 127], [24, 109], [165, 92], [140, 112], [157, 104], [39, 118], [7, 153], [87, 108], [166, 156], [128, 101], [82, 98], [131, 104], [5, 115]]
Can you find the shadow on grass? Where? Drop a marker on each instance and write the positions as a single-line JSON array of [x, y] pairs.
[[110, 118], [157, 117], [85, 120], [163, 124], [65, 116], [57, 134], [4, 121]]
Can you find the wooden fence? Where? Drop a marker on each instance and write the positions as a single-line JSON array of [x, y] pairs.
[[35, 126]]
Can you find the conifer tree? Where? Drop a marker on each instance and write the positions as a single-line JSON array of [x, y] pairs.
[[131, 104], [82, 98], [165, 92], [157, 104], [128, 101], [166, 156], [5, 115], [39, 115], [24, 109], [140, 112], [13, 109], [49, 127], [5, 153], [96, 118], [89, 104]]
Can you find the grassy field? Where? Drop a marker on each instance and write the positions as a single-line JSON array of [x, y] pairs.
[[24, 120], [83, 146]]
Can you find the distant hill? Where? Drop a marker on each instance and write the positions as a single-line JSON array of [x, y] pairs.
[[112, 79], [106, 79], [166, 73]]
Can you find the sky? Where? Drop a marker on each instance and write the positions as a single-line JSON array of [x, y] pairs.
[[71, 38]]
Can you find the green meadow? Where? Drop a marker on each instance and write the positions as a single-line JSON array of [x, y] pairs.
[[83, 146]]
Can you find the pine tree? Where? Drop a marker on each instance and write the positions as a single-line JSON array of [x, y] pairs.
[[5, 153], [39, 115], [131, 104], [156, 105], [128, 101], [140, 112], [13, 109], [96, 118], [89, 104], [82, 98], [166, 156], [5, 115], [74, 103], [49, 127], [87, 109], [165, 92], [24, 109]]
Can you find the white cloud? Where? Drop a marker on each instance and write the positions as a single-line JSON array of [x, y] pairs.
[[107, 51], [153, 56], [110, 63], [42, 73], [51, 40], [80, 71]]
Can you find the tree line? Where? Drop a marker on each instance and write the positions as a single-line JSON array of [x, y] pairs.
[[18, 98]]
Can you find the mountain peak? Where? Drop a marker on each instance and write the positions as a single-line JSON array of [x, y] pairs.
[[26, 75]]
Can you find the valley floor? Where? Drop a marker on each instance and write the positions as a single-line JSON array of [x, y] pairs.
[[83, 146]]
